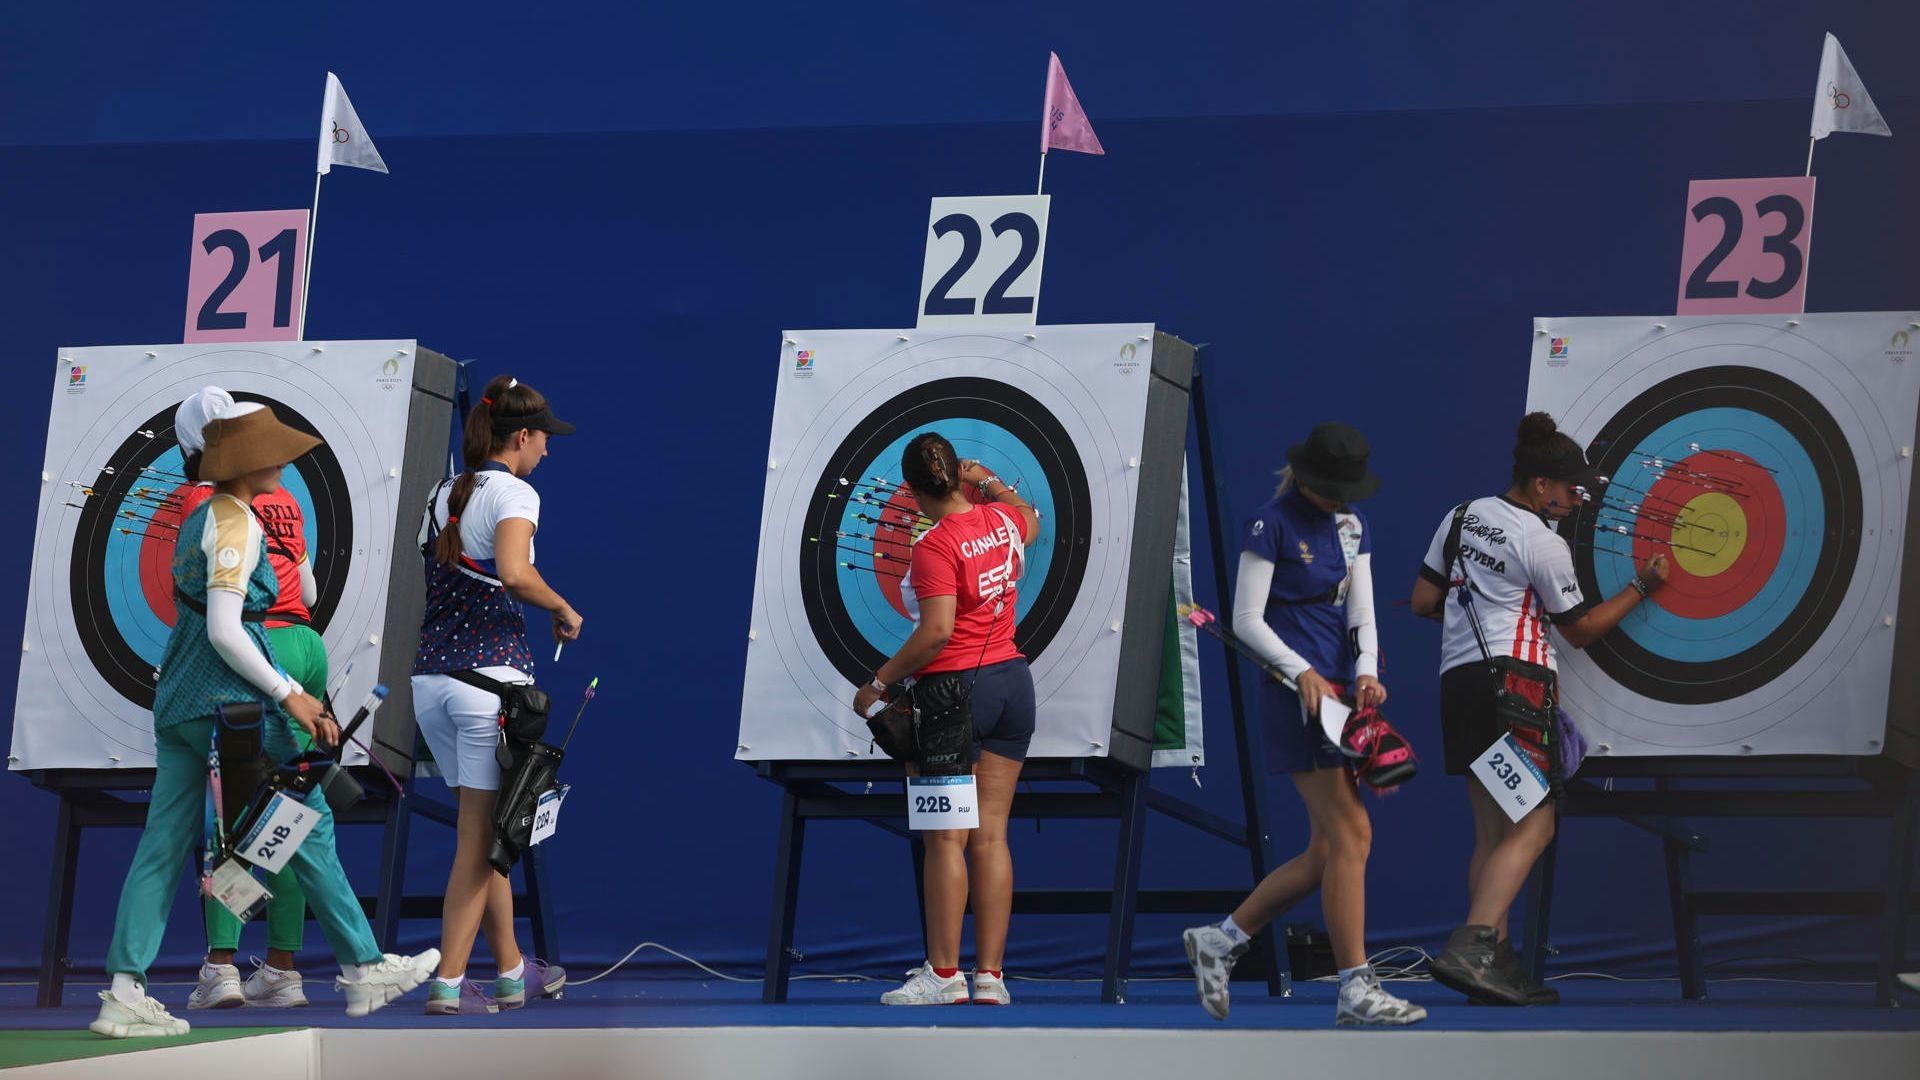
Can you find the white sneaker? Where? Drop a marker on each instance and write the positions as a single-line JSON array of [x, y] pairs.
[[1363, 1001], [219, 988], [143, 1019], [265, 990], [387, 981], [923, 987], [1911, 980], [990, 990], [1212, 955]]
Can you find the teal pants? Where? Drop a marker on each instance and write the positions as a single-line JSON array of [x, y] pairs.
[[175, 828]]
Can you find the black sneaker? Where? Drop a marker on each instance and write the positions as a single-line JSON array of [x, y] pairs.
[[1469, 965], [1507, 960]]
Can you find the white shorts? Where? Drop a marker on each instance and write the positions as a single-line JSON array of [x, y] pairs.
[[461, 724]]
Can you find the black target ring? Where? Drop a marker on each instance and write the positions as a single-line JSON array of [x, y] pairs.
[[1070, 525], [113, 657], [1777, 398]]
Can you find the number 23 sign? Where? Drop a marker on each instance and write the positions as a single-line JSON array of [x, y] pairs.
[[1745, 247], [983, 261], [243, 276]]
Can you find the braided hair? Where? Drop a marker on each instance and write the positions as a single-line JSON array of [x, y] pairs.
[[504, 396]]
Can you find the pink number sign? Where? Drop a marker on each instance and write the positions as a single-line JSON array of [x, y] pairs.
[[243, 278], [1745, 247]]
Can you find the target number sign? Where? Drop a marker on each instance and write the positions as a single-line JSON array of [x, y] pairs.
[[244, 275], [983, 261], [1745, 246]]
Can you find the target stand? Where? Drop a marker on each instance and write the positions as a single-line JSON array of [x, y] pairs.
[[1772, 460], [1113, 786], [100, 600]]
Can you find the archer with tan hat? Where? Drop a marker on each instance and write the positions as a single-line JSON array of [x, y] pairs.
[[219, 655]]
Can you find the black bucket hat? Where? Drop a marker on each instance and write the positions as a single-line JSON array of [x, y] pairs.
[[1333, 463]]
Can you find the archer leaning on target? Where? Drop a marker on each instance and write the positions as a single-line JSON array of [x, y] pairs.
[[222, 695], [1510, 575], [1303, 603], [973, 705]]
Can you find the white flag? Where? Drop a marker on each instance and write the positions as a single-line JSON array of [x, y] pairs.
[[1841, 102], [343, 141]]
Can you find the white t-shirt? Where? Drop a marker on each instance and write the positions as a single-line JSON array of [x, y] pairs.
[[1522, 577], [496, 497]]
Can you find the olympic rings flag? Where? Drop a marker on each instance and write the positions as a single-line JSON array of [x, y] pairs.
[[1772, 461], [100, 602], [1060, 412]]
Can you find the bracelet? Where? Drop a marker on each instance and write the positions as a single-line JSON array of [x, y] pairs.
[[877, 686], [990, 479], [1641, 587]]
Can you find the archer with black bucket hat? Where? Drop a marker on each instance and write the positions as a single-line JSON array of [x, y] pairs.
[[1510, 576], [1303, 602]]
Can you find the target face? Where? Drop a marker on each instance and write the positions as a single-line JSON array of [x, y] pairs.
[[1059, 413], [100, 603], [1765, 462]]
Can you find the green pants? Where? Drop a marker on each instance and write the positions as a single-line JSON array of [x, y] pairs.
[[304, 656]]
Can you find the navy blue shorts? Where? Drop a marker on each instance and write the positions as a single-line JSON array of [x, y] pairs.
[[1003, 710], [1293, 742]]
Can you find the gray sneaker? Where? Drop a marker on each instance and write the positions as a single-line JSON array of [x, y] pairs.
[[1212, 955], [1507, 961], [1366, 1003], [1469, 964]]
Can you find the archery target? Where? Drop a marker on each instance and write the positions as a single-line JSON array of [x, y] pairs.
[[1770, 463], [1058, 411], [100, 603]]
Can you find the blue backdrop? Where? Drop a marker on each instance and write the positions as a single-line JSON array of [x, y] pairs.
[[624, 206]]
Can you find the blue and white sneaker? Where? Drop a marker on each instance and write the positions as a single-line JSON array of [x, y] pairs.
[[467, 999], [540, 979]]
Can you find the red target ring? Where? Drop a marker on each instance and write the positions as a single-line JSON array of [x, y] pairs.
[[1723, 536]]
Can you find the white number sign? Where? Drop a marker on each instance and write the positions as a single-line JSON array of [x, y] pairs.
[[983, 261]]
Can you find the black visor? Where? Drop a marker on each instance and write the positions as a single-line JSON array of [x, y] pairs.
[[544, 420]]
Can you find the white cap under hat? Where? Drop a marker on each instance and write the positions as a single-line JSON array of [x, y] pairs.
[[190, 420]]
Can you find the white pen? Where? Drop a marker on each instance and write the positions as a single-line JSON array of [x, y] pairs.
[[557, 646]]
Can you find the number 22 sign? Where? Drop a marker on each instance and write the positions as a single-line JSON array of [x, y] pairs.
[[243, 276], [983, 261], [1745, 247]]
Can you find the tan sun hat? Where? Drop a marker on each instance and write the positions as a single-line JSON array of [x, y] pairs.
[[238, 445]]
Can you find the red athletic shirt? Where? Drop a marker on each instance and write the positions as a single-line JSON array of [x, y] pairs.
[[970, 556], [286, 531]]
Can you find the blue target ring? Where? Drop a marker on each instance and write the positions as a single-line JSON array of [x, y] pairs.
[[1739, 431], [871, 610]]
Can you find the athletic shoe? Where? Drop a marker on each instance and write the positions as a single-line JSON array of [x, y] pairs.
[[923, 987], [1468, 965], [266, 990], [219, 988], [1212, 955], [541, 979], [143, 1019], [1508, 961], [990, 990], [1910, 980], [387, 980], [467, 999], [1366, 1003]]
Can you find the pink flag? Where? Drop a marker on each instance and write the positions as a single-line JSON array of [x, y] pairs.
[[1065, 124]]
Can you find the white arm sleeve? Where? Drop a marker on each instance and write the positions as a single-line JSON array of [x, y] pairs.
[[309, 588], [1250, 591], [1366, 636], [229, 638]]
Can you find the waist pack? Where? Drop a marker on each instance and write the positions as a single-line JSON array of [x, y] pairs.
[[523, 706], [943, 723]]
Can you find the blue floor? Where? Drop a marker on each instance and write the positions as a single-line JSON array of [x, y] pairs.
[[1588, 1005]]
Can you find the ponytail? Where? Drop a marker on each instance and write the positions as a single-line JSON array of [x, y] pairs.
[[477, 443]]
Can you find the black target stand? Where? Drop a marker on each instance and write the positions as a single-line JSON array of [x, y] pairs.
[[1112, 788], [109, 798]]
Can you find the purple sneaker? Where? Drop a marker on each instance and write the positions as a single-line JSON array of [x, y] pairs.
[[467, 1000], [540, 979]]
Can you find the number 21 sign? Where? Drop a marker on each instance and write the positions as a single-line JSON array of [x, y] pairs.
[[1745, 248], [243, 276]]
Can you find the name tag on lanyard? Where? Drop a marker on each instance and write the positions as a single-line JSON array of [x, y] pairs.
[[234, 886], [942, 802]]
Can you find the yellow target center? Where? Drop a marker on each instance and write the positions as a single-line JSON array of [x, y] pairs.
[[1711, 533]]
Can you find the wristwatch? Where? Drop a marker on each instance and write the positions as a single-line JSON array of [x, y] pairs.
[[989, 479], [1641, 587]]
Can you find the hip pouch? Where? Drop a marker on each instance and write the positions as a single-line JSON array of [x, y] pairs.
[[523, 706], [942, 724], [1525, 699]]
